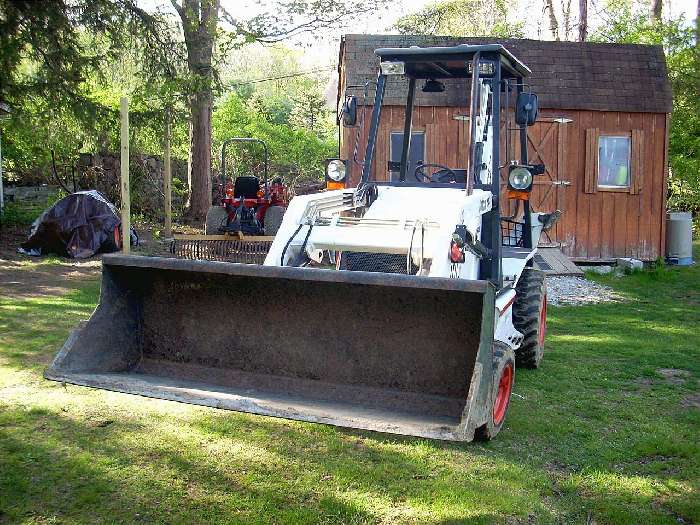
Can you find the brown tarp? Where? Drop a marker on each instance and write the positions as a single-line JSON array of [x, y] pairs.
[[79, 225]]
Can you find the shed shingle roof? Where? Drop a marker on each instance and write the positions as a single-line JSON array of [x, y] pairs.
[[565, 75]]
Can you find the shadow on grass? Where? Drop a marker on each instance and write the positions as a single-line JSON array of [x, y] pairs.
[[232, 468], [585, 437], [55, 468], [451, 481]]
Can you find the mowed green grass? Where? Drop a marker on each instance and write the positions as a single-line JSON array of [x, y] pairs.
[[596, 435]]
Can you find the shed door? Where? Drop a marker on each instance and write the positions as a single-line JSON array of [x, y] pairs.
[[546, 145]]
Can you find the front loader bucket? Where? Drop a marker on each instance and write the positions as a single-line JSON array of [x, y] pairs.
[[392, 353]]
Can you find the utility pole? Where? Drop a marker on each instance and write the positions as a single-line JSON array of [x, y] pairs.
[[167, 179], [125, 190], [4, 115], [2, 189]]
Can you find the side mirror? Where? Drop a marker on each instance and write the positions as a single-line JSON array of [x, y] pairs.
[[349, 111], [526, 109]]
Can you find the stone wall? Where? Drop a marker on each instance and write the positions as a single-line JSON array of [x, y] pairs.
[[29, 193], [102, 172]]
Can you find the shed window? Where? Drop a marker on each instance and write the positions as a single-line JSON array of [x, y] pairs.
[[613, 162], [416, 154]]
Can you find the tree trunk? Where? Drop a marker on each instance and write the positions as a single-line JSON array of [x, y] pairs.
[[553, 24], [583, 20], [656, 6], [697, 30], [199, 21], [199, 166]]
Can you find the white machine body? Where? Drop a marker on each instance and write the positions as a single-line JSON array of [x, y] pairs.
[[415, 222]]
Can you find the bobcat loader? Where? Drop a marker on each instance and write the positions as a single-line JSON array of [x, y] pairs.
[[400, 305]]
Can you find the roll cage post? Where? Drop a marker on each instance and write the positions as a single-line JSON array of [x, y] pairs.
[[527, 227], [373, 128], [408, 120], [489, 268]]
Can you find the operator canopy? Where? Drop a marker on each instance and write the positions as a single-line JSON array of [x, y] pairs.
[[452, 62]]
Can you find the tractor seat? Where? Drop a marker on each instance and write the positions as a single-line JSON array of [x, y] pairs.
[[459, 177], [247, 187]]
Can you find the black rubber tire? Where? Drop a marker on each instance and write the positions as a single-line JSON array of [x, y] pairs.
[[273, 219], [502, 356], [216, 218], [527, 311]]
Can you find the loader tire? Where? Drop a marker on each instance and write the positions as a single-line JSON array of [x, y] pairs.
[[530, 317], [273, 219], [216, 218], [499, 400]]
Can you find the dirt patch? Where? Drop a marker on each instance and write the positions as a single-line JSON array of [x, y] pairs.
[[640, 384], [555, 468], [34, 278], [655, 458], [22, 276], [675, 376], [692, 401], [662, 506], [10, 238]]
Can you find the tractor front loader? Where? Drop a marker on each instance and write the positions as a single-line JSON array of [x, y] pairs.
[[401, 305]]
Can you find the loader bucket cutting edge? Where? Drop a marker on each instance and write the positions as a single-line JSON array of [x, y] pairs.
[[385, 352]]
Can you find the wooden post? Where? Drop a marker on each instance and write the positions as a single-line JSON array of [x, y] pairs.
[[125, 191], [167, 179], [2, 191]]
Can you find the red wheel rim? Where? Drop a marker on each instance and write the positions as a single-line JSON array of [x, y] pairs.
[[543, 322], [505, 385]]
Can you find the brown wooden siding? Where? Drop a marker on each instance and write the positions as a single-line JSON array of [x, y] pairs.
[[594, 226]]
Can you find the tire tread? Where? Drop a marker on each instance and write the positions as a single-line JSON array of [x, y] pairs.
[[530, 290]]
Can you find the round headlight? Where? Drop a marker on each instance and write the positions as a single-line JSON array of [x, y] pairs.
[[336, 170], [520, 178]]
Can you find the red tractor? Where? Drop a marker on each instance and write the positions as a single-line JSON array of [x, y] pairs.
[[247, 206]]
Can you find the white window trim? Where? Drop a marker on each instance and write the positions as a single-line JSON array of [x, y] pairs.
[[629, 162]]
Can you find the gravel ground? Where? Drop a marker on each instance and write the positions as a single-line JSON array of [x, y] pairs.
[[575, 291]]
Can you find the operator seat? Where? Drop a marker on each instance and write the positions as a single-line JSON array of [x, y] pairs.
[[246, 186], [446, 176]]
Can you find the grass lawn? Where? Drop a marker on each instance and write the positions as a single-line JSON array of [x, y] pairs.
[[598, 435]]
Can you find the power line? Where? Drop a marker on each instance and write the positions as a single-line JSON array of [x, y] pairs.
[[282, 77]]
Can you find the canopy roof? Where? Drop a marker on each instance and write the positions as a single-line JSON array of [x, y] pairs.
[[452, 61]]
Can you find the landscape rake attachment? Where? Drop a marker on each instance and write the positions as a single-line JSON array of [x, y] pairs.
[[226, 248]]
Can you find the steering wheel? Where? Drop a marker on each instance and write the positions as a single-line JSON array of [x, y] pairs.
[[444, 174]]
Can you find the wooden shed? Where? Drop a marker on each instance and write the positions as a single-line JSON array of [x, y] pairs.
[[602, 134]]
